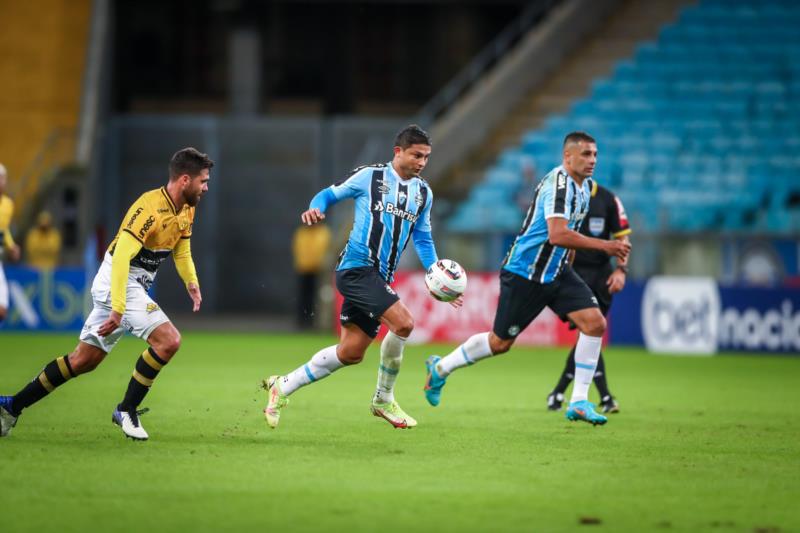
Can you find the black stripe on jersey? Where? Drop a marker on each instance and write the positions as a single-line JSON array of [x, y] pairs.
[[560, 199], [376, 206], [359, 169], [402, 202], [574, 208], [545, 253], [150, 260]]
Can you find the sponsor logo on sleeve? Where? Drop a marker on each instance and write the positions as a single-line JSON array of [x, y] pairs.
[[134, 216]]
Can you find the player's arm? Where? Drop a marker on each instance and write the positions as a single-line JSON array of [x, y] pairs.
[[349, 188], [182, 254], [422, 236], [126, 249], [559, 234]]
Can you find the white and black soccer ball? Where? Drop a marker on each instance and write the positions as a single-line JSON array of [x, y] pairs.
[[446, 280]]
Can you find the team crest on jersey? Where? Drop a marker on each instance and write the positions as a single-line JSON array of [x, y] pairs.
[[402, 197], [419, 200], [596, 225]]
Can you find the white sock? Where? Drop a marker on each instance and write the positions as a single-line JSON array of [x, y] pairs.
[[469, 353], [587, 352], [391, 357], [321, 365]]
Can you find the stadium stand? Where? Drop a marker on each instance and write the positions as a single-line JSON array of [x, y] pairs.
[[706, 115]]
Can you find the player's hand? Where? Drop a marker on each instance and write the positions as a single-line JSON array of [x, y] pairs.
[[618, 248], [194, 294], [458, 302], [109, 326], [616, 281], [13, 253], [312, 216]]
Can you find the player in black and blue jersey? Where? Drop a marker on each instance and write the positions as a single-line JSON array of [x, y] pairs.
[[392, 206], [537, 273]]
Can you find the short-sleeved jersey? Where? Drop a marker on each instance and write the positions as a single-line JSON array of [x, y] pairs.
[[388, 211], [557, 195], [153, 221], [606, 220], [6, 213]]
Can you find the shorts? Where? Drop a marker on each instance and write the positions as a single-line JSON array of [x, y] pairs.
[[3, 288], [596, 277], [366, 297], [521, 300], [142, 315]]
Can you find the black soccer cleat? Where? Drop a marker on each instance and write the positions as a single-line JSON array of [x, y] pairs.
[[555, 401], [609, 405]]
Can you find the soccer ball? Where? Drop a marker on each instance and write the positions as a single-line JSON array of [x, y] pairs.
[[446, 280]]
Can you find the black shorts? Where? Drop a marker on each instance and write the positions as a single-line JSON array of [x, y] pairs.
[[521, 300], [366, 297], [596, 277]]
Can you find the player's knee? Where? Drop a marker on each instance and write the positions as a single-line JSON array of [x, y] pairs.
[[170, 345], [405, 327], [595, 326], [350, 356], [498, 345]]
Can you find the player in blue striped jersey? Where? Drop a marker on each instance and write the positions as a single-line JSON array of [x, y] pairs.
[[392, 206], [537, 273]]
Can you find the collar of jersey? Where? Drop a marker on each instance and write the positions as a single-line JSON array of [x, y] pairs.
[[396, 175], [169, 200]]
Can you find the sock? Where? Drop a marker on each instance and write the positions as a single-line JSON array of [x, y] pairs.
[[469, 353], [568, 374], [321, 365], [587, 351], [600, 378], [147, 368], [391, 358], [55, 373]]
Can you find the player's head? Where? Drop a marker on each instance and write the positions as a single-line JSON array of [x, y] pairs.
[[3, 178], [580, 154], [412, 148], [190, 168]]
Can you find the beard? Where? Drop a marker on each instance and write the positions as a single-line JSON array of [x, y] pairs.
[[191, 199]]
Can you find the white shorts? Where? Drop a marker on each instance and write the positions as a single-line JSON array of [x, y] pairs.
[[3, 288], [142, 315]]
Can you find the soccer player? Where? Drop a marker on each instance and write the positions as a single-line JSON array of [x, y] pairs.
[[392, 204], [536, 273], [606, 220], [159, 223], [7, 245]]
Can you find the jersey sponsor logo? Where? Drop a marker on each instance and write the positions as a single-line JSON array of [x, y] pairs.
[[513, 330], [383, 187], [146, 227], [419, 199], [390, 290], [162, 210], [596, 225], [561, 181], [134, 216], [145, 282], [378, 206], [401, 213]]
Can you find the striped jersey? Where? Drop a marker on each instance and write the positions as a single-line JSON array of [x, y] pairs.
[[388, 211], [557, 195]]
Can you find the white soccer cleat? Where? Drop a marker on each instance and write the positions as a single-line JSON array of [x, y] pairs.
[[129, 422]]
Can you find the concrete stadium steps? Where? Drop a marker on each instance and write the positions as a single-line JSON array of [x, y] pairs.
[[617, 39]]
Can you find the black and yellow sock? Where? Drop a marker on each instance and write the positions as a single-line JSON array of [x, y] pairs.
[[147, 367], [55, 373]]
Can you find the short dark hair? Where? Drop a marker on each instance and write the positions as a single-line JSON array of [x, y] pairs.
[[411, 134], [188, 161], [578, 136]]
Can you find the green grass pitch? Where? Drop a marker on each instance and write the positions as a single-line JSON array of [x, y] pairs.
[[701, 444]]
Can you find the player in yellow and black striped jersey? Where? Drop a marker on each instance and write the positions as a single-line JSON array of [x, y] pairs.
[[8, 248], [157, 225]]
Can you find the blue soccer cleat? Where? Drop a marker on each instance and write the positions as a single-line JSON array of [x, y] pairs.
[[7, 417], [433, 382], [584, 410]]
